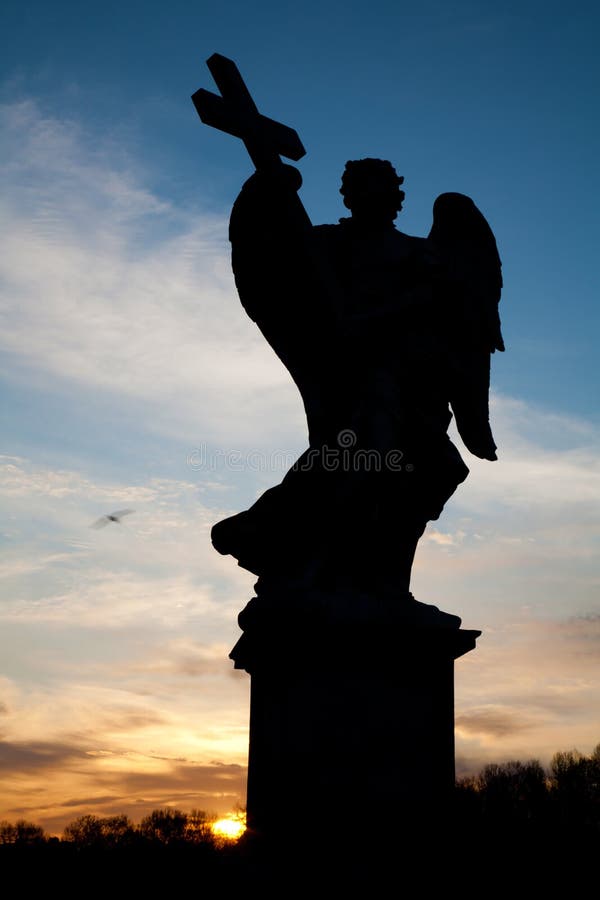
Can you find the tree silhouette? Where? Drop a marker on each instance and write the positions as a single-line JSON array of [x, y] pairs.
[[514, 790], [86, 831], [22, 832], [575, 787], [93, 831], [198, 828], [166, 826]]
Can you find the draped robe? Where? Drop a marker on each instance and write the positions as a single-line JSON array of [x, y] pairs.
[[355, 316]]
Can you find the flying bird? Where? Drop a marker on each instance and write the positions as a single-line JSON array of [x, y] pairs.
[[113, 517]]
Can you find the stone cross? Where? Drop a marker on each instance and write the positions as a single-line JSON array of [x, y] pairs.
[[235, 112]]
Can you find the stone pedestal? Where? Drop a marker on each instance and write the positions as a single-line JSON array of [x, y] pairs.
[[351, 722]]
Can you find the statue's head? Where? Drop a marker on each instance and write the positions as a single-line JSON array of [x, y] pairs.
[[371, 190]]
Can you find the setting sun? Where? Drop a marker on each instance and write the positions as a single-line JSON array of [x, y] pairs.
[[229, 828]]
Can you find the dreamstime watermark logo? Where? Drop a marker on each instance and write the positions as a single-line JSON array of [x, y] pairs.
[[205, 459], [345, 457]]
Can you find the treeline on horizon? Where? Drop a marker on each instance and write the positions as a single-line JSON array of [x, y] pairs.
[[166, 826], [566, 797]]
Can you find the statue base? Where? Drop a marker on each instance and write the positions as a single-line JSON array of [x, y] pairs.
[[351, 718]]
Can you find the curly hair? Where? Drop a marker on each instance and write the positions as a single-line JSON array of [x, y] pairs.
[[361, 170]]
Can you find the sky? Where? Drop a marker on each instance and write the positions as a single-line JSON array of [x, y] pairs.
[[132, 378]]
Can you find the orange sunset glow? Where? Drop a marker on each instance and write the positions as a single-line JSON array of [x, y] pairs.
[[230, 828]]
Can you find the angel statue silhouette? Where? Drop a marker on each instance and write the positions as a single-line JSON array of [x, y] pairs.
[[387, 336]]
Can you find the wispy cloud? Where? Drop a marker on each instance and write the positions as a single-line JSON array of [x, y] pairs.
[[521, 533], [133, 784], [131, 735], [493, 721], [111, 289], [120, 694], [532, 684], [162, 550]]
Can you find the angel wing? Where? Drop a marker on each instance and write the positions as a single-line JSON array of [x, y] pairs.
[[471, 281]]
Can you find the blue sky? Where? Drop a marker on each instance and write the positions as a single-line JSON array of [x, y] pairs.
[[131, 377]]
